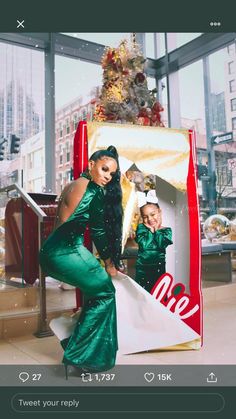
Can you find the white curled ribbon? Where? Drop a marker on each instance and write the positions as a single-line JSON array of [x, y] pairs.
[[149, 197]]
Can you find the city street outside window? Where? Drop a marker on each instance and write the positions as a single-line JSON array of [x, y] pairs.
[[22, 101]]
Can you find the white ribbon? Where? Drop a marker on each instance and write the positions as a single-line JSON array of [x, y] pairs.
[[144, 198]]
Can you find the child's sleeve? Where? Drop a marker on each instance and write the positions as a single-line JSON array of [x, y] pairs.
[[163, 237], [144, 237]]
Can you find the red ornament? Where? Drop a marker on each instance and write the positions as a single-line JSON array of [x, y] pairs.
[[156, 116], [147, 121], [139, 78]]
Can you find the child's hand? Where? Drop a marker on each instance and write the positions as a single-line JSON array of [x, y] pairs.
[[151, 228]]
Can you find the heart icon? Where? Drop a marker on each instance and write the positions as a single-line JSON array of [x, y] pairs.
[[149, 376]]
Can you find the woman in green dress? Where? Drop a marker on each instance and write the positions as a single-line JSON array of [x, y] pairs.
[[94, 200]]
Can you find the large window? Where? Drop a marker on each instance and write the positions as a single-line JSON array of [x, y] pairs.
[[218, 100], [182, 92], [22, 113], [192, 110], [176, 40], [155, 45], [163, 95], [75, 100]]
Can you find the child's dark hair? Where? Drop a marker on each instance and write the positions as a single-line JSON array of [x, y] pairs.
[[149, 203], [113, 205]]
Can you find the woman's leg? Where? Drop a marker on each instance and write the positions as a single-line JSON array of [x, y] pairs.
[[93, 344]]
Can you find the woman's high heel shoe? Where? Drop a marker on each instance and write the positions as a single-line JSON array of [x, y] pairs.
[[78, 369]]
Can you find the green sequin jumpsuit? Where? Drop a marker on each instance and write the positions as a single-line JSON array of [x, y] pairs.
[[151, 260], [93, 343]]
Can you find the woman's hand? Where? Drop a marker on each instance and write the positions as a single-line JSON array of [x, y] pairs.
[[110, 267], [111, 270]]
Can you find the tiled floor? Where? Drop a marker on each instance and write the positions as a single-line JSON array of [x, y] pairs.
[[219, 339]]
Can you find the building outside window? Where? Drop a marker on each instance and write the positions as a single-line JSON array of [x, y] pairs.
[[233, 104], [68, 176], [60, 182], [232, 86], [60, 130], [60, 155], [234, 123], [22, 99], [231, 67], [191, 96], [231, 49], [30, 161], [75, 121], [67, 126], [224, 176], [84, 115], [67, 152]]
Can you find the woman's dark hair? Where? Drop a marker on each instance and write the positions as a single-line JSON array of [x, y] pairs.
[[113, 205]]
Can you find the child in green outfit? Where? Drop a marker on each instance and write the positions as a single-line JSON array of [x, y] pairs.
[[152, 239]]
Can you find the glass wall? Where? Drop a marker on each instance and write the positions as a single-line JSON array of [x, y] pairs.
[[222, 75], [154, 45], [75, 100], [198, 94], [163, 97], [22, 114], [176, 40], [192, 114], [191, 94]]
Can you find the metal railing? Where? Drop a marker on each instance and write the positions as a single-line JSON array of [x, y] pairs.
[[43, 329]]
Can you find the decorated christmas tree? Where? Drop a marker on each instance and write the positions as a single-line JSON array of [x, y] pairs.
[[125, 96]]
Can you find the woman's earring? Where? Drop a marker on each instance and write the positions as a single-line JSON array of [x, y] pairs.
[[89, 174]]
